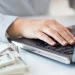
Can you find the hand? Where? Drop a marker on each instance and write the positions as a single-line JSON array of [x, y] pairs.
[[42, 29]]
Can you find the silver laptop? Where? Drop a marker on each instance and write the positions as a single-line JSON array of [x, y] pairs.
[[64, 54]]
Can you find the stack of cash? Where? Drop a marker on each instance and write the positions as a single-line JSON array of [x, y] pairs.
[[10, 61]]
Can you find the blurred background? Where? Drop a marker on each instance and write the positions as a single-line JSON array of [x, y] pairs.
[[62, 8]]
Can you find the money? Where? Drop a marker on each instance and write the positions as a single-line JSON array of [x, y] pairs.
[[18, 68], [3, 47], [11, 63], [6, 59]]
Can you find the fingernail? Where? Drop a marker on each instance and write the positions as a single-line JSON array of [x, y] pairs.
[[71, 27], [71, 41], [64, 42], [53, 43], [74, 38]]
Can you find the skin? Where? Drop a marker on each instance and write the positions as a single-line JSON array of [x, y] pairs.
[[42, 29]]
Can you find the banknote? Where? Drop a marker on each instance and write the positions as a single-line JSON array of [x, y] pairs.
[[6, 59], [18, 68], [11, 63], [3, 47]]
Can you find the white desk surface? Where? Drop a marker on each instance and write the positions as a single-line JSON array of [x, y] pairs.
[[42, 66]]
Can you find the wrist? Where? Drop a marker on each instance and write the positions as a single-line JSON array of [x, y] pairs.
[[14, 29]]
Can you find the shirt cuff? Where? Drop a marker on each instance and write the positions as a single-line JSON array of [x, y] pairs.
[[5, 23]]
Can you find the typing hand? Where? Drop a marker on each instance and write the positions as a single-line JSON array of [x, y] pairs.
[[42, 29]]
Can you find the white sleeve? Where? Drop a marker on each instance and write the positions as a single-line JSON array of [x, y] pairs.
[[5, 22]]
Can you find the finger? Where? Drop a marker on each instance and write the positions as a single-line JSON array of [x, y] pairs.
[[72, 36], [49, 31], [67, 31], [44, 37], [64, 34], [69, 28]]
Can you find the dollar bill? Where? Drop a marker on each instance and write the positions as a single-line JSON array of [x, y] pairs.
[[6, 59], [18, 68], [11, 62]]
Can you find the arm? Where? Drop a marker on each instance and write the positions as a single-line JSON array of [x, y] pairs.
[[5, 22], [41, 29]]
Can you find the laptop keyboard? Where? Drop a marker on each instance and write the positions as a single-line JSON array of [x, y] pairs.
[[68, 50], [58, 48]]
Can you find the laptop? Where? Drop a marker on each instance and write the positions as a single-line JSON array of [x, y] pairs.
[[64, 54]]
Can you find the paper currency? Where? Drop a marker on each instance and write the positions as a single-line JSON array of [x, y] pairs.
[[3, 47], [6, 59], [18, 68], [11, 63]]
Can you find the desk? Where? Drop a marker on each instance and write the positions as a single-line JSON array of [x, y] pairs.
[[42, 66]]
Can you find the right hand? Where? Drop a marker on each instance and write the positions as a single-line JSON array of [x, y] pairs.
[[42, 29]]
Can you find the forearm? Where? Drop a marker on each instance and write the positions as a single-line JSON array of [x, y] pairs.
[[5, 22], [13, 30]]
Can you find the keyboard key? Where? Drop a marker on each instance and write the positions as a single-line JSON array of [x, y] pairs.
[[58, 48]]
